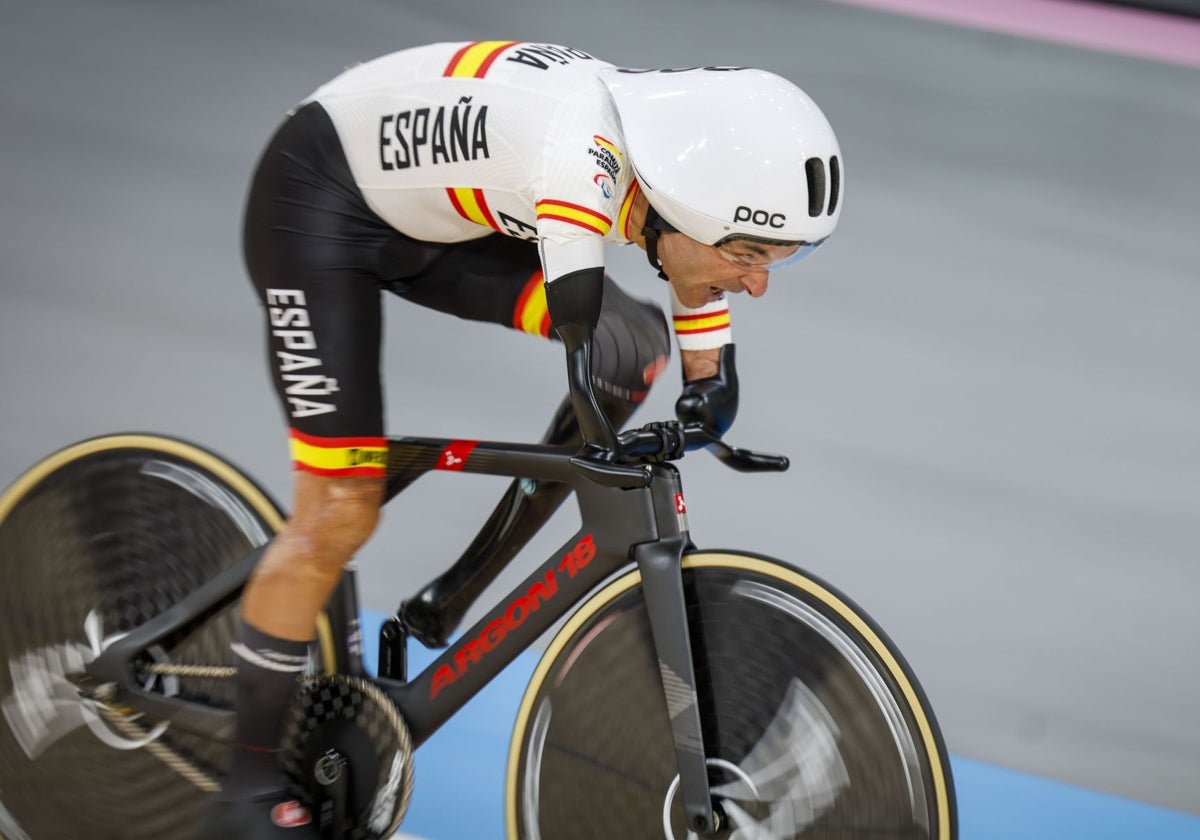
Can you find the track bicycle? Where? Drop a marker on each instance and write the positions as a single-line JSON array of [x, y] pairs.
[[689, 694]]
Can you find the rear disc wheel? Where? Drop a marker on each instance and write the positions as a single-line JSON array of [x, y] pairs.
[[94, 541]]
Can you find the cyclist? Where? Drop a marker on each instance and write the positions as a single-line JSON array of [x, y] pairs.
[[483, 180]]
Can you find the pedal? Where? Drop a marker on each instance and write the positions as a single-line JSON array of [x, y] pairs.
[[348, 754]]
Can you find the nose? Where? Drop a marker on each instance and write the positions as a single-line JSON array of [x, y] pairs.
[[755, 283]]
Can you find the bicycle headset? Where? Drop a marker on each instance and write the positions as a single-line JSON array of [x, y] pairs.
[[726, 154]]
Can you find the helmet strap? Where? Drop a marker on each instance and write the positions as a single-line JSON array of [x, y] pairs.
[[654, 225]]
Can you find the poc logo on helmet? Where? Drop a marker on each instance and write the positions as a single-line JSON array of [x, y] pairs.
[[759, 217]]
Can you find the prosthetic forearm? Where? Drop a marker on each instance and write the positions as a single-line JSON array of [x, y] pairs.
[[574, 305]]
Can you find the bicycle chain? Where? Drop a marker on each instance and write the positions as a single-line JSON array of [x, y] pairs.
[[215, 672], [189, 771], [123, 722]]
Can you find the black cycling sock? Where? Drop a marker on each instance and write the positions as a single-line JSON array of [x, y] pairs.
[[266, 679]]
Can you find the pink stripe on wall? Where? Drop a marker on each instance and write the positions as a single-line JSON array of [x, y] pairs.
[[1134, 32]]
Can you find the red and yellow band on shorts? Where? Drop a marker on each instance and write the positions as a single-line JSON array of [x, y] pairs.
[[335, 457]]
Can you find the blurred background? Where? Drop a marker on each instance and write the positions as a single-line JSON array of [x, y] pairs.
[[988, 382]]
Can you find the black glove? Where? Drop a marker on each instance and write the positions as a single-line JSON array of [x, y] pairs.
[[713, 401]]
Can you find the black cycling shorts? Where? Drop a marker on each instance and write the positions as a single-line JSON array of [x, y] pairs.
[[320, 259]]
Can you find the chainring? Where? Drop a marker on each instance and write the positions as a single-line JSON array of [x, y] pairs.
[[354, 717]]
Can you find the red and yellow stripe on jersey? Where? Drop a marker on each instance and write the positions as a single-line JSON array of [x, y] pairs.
[[626, 210], [703, 322], [339, 457], [472, 206], [574, 214], [474, 60], [531, 313]]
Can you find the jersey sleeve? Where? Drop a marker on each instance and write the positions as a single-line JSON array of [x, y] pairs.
[[704, 328], [584, 180]]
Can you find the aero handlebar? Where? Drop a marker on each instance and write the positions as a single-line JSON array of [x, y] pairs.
[[669, 441]]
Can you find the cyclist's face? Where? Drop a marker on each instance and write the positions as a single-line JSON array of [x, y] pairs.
[[702, 274]]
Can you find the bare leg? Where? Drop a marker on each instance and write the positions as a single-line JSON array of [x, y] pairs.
[[332, 518], [300, 569]]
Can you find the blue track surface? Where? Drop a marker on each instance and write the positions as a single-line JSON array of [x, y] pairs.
[[460, 778]]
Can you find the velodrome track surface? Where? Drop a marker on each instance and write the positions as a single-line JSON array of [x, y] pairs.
[[987, 382]]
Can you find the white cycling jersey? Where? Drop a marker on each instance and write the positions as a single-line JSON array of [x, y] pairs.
[[452, 142]]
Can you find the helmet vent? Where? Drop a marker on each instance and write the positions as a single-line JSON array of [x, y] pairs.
[[814, 167], [835, 183]]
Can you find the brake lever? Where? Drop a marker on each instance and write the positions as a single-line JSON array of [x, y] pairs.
[[747, 460], [742, 460]]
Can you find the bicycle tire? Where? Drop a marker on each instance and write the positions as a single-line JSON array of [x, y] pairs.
[[124, 526], [814, 725]]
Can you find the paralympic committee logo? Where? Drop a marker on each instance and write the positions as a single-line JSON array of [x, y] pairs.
[[604, 183]]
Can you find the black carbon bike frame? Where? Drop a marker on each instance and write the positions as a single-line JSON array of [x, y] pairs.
[[632, 512]]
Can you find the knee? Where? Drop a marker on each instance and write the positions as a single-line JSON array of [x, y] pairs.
[[631, 346], [332, 519]]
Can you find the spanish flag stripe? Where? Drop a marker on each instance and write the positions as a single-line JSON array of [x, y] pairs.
[[701, 325], [474, 60], [324, 456], [339, 456], [627, 210], [700, 316], [703, 316], [481, 202], [566, 205], [472, 206], [564, 211], [696, 330], [453, 193], [716, 321], [576, 222], [487, 62], [531, 314], [536, 316], [337, 442], [458, 56], [536, 279]]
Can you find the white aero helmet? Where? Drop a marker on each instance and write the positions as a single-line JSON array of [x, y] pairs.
[[731, 153]]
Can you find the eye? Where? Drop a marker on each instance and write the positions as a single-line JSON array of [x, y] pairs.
[[745, 258]]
